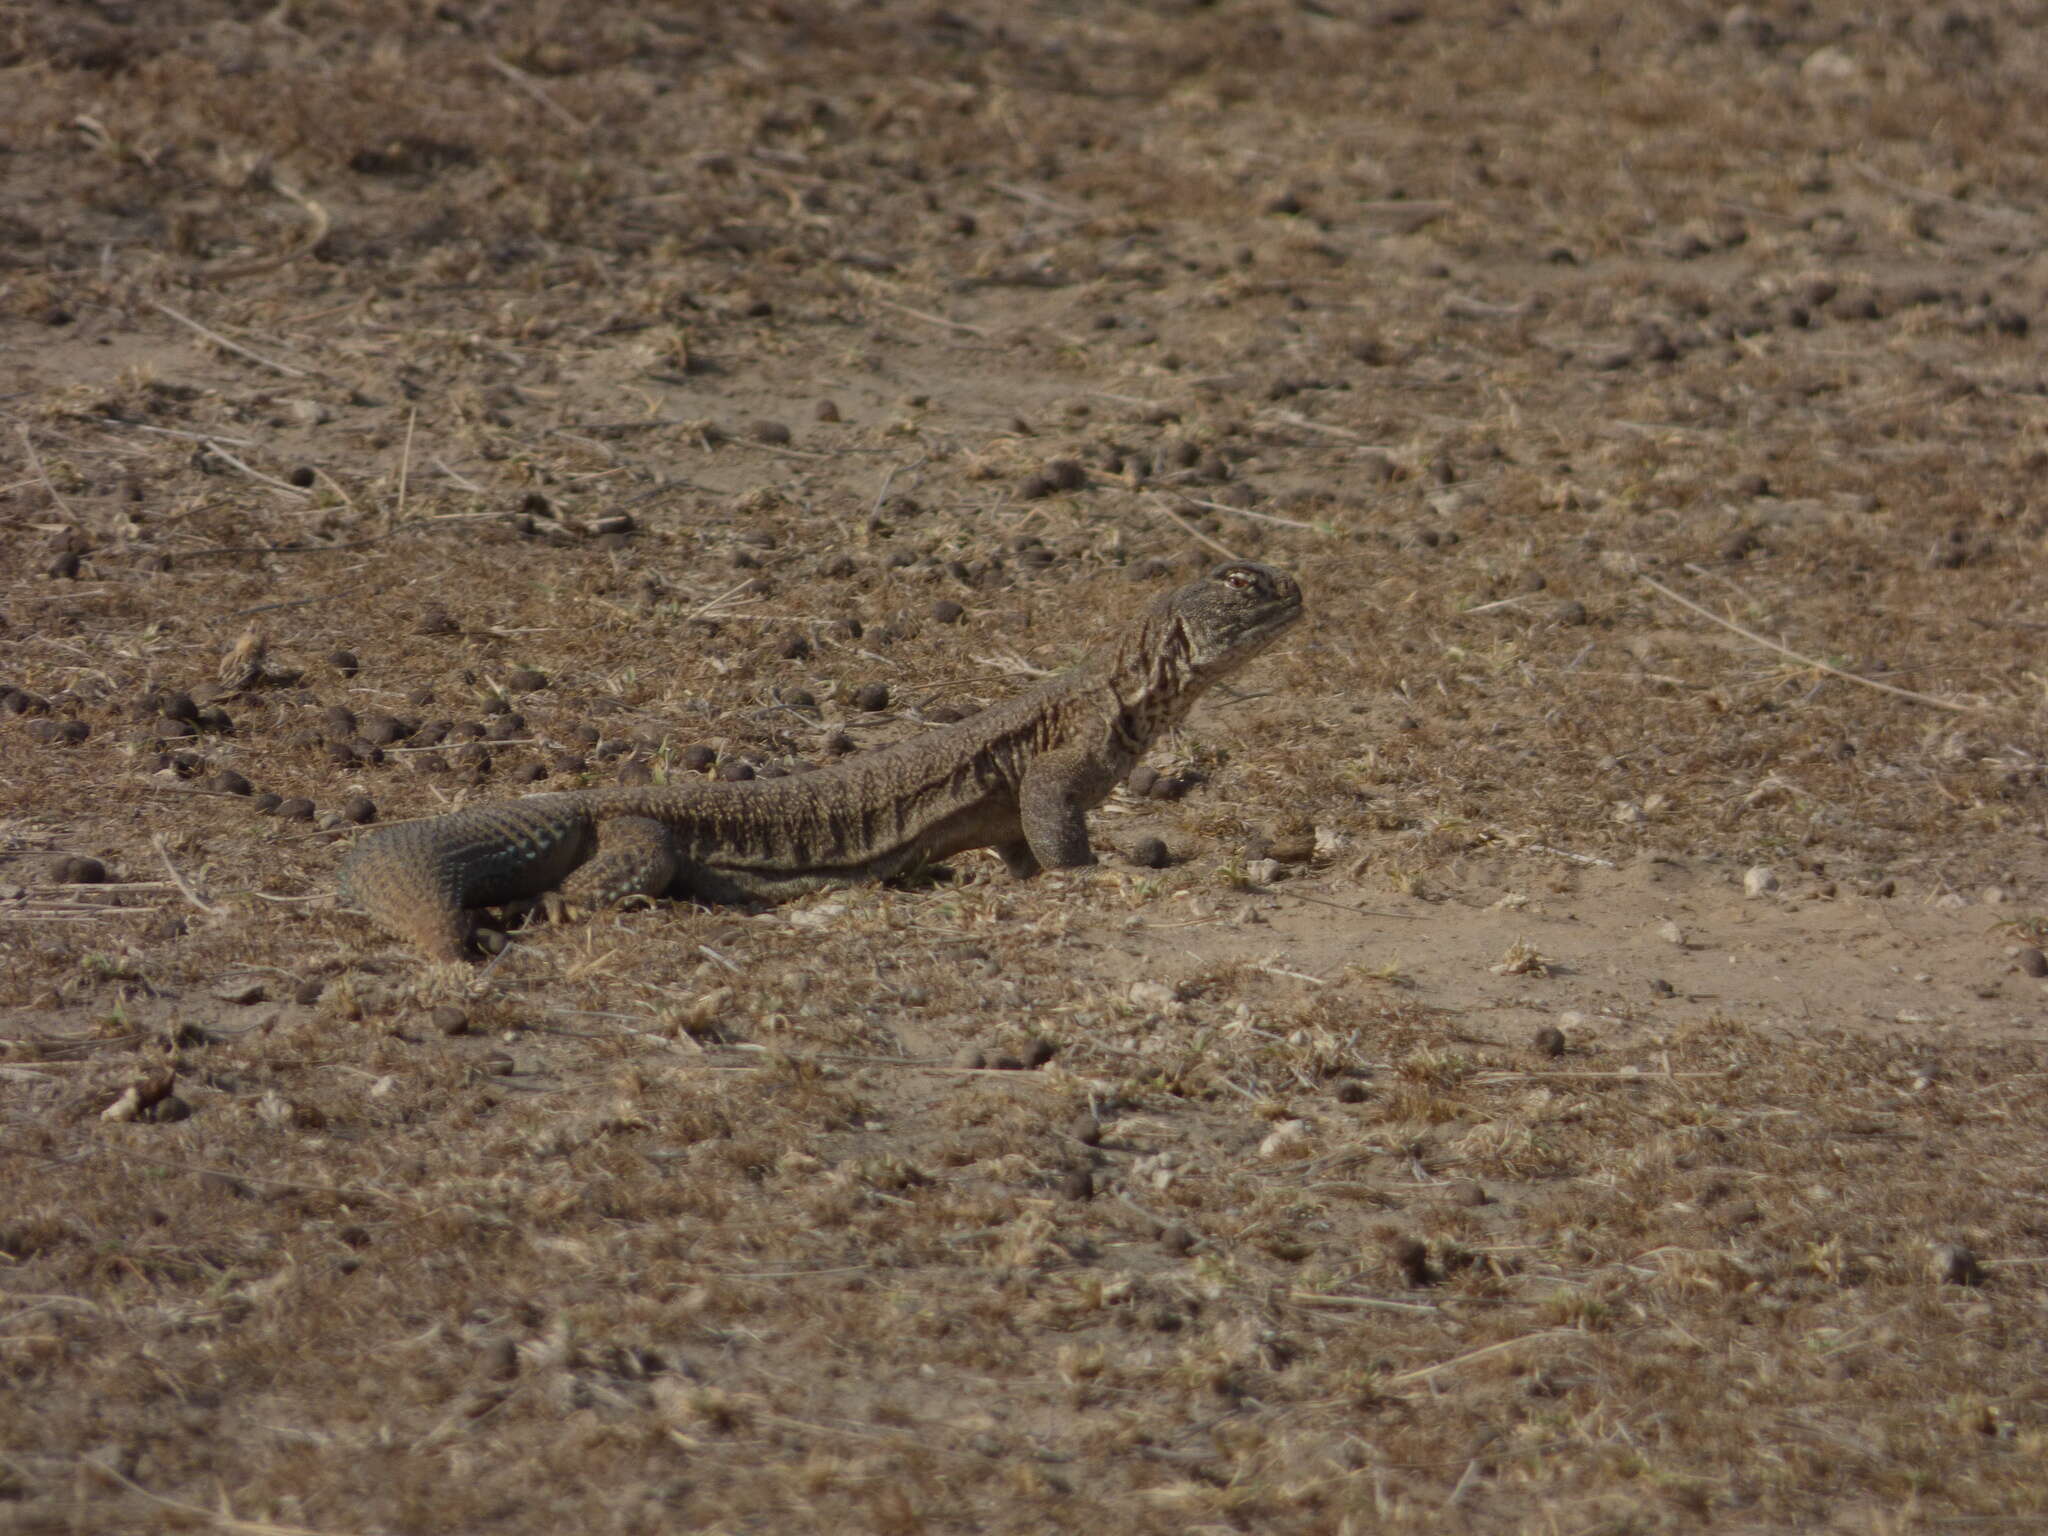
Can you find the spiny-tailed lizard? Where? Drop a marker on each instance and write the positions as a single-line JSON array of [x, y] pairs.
[[1020, 777]]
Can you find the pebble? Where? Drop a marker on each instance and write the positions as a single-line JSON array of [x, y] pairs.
[[1549, 1041], [1088, 1130], [1038, 1051], [826, 410], [449, 1020], [946, 611], [297, 808], [77, 869], [970, 1058], [871, 697], [309, 991], [773, 432], [2032, 962], [1078, 1184], [240, 993], [1759, 880], [360, 809]]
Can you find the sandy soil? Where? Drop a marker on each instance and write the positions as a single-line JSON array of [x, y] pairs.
[[1580, 1069]]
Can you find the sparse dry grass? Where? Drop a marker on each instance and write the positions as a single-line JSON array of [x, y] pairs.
[[350, 328]]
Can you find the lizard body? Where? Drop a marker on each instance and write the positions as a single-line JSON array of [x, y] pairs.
[[1019, 777]]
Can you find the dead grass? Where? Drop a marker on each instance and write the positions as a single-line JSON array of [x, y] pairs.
[[513, 457]]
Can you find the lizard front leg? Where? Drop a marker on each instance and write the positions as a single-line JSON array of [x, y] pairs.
[[1053, 802]]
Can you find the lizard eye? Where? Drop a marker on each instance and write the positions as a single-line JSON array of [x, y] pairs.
[[1238, 578]]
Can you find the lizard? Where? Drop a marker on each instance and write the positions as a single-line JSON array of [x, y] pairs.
[[1019, 777]]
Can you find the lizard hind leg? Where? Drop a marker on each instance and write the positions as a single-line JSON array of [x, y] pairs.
[[635, 856]]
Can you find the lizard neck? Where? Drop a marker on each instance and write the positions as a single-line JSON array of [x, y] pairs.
[[1152, 674]]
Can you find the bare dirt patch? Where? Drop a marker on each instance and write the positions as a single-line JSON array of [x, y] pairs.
[[1578, 1068]]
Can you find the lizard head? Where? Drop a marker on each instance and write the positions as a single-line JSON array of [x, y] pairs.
[[1233, 613]]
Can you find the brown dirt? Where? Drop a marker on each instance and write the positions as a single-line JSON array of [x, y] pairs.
[[488, 343]]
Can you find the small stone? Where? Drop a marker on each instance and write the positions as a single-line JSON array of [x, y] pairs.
[[871, 697], [1088, 1131], [1038, 1051], [946, 611], [1659, 987], [1759, 880], [525, 680], [308, 991], [1350, 1091], [1078, 1184], [227, 782], [1005, 1063], [297, 808], [1150, 853], [2032, 962], [1549, 1041], [167, 1110], [765, 431], [1469, 1192], [435, 620], [1142, 780], [735, 772], [240, 993], [1176, 1239], [1264, 871], [266, 803], [449, 1019], [360, 809], [1671, 933], [826, 410], [969, 1058], [1955, 1264]]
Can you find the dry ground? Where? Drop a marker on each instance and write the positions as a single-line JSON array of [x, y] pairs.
[[404, 404]]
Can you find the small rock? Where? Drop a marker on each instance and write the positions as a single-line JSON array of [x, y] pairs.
[[1038, 1051], [1264, 871], [1465, 1192], [449, 1020], [1087, 1130], [1671, 933], [1351, 1091], [228, 782], [2032, 962], [297, 808], [240, 993], [1142, 780], [946, 611], [77, 869], [871, 697], [1759, 880], [1005, 1063], [360, 809], [309, 991], [1078, 1184], [344, 662], [1549, 1041], [970, 1058], [773, 432], [167, 1110], [525, 680], [826, 410], [1176, 1239]]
